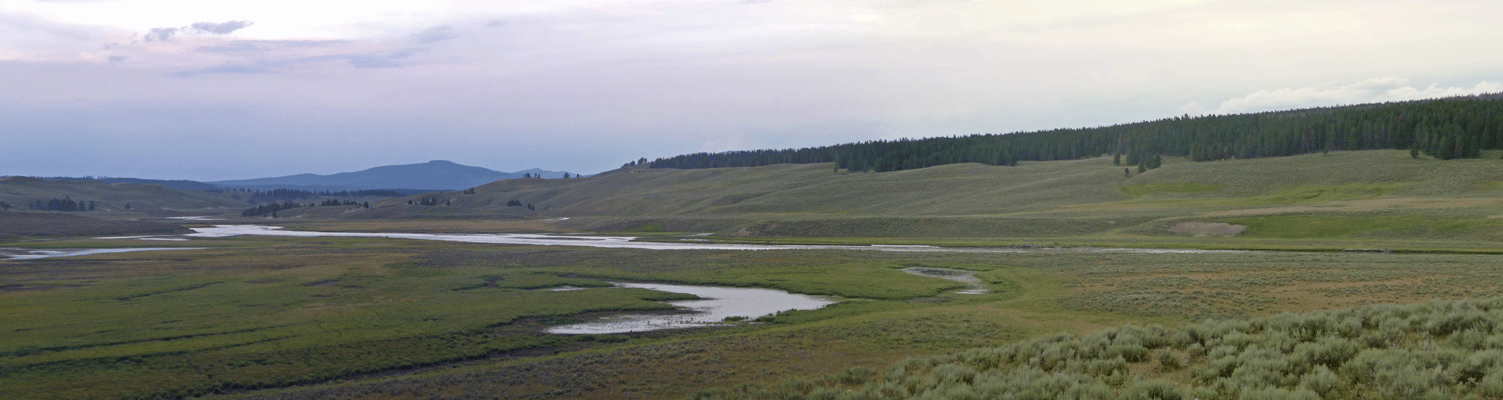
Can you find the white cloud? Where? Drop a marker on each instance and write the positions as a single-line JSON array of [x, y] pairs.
[[1373, 90]]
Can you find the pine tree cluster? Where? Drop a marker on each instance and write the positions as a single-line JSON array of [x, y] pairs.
[[1455, 127], [63, 204], [335, 202], [268, 209]]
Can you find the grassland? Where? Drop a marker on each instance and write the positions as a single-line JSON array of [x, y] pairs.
[[112, 198], [364, 318], [1359, 195], [295, 318], [19, 224]]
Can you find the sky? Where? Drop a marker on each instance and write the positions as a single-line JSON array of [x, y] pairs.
[[228, 89]]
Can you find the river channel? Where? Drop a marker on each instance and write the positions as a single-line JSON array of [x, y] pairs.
[[716, 304]]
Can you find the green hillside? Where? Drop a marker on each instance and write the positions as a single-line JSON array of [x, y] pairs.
[[1447, 128], [1372, 194], [110, 197], [25, 224]]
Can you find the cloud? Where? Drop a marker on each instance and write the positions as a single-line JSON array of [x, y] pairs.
[[161, 34], [221, 28], [434, 34], [1373, 90], [166, 33]]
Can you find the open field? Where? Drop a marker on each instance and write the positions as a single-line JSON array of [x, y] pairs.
[[381, 318], [1364, 194], [18, 224], [112, 197], [359, 318]]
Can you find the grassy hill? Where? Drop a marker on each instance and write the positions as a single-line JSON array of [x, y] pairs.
[[366, 318], [1375, 194], [18, 224], [20, 191]]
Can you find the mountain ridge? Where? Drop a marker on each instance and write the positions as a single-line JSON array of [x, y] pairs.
[[431, 175]]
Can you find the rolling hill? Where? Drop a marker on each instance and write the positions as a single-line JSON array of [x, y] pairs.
[[21, 191], [1375, 192]]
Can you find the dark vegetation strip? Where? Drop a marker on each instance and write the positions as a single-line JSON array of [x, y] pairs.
[[1456, 127], [215, 371], [25, 351], [165, 291]]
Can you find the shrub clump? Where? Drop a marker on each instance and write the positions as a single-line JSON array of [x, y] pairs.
[[1438, 350]]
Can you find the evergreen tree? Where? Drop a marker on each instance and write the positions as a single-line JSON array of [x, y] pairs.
[[1456, 127]]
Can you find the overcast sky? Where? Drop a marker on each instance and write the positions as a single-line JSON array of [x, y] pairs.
[[226, 89]]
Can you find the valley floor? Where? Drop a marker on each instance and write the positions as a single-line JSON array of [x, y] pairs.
[[328, 317], [380, 318]]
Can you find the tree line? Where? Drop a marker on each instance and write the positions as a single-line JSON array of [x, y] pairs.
[[272, 209], [63, 204], [1447, 128], [337, 202]]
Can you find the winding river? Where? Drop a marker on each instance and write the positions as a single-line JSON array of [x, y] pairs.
[[716, 304]]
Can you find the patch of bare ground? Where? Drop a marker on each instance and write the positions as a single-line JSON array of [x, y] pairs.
[[1205, 229]]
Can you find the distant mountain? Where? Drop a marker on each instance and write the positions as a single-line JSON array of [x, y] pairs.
[[432, 175]]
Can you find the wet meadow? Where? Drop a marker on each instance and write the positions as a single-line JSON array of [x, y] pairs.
[[330, 317]]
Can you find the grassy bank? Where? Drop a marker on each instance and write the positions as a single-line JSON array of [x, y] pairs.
[[374, 318]]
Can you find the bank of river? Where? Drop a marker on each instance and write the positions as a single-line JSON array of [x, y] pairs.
[[14, 254], [714, 306], [627, 242], [967, 277]]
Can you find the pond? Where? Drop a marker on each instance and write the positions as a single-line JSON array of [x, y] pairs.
[[716, 304], [967, 277]]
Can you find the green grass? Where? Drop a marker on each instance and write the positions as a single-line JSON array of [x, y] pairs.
[[111, 199], [273, 312], [1426, 351], [1333, 226], [1032, 200], [1143, 189], [263, 313], [389, 319]]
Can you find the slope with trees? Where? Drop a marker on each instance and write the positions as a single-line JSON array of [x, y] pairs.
[[1449, 128]]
